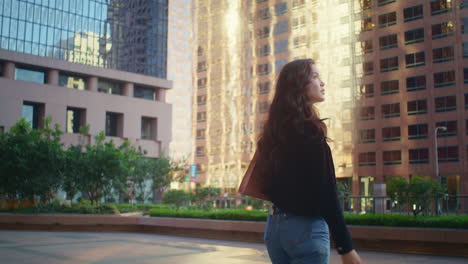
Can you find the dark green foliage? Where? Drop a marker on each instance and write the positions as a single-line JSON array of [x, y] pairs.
[[224, 214], [77, 208], [128, 208], [32, 161], [176, 198], [417, 194]]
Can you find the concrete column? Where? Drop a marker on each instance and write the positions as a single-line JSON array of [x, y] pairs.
[[92, 84], [380, 190], [162, 95], [128, 89], [9, 70], [52, 77]]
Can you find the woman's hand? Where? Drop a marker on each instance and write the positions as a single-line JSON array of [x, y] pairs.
[[351, 257]]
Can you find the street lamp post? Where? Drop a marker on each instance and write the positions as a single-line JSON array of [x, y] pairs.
[[437, 161]]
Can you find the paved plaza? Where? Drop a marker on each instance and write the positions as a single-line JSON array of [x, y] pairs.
[[98, 248]]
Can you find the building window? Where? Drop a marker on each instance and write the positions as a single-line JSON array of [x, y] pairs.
[[444, 79], [201, 168], [389, 64], [367, 113], [388, 41], [201, 133], [392, 157], [148, 128], [418, 156], [263, 106], [465, 75], [298, 22], [264, 87], [201, 66], [451, 128], [30, 75], [281, 27], [391, 110], [440, 6], [466, 123], [391, 134], [464, 25], [109, 87], [413, 13], [281, 46], [466, 101], [366, 159], [298, 3], [368, 67], [300, 41], [447, 154], [367, 90], [114, 124], [417, 107], [200, 151], [415, 59], [366, 4], [279, 64], [465, 50], [445, 103], [264, 13], [281, 9], [464, 4], [263, 50], [389, 87], [34, 113], [145, 93], [387, 20], [263, 32], [72, 81], [200, 51], [367, 135], [367, 46], [201, 83], [263, 69], [367, 24], [442, 30], [76, 118], [417, 131], [416, 83], [201, 100], [443, 54], [414, 36], [201, 117], [384, 2]]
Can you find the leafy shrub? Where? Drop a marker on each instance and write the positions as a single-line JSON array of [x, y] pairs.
[[128, 208]]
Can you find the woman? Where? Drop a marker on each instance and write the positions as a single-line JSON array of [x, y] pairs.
[[300, 180]]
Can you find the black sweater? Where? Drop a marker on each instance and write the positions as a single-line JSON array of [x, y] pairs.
[[304, 184]]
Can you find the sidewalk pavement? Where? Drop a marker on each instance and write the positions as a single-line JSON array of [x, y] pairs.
[[98, 248]]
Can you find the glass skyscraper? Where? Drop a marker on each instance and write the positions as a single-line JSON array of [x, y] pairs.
[[124, 35]]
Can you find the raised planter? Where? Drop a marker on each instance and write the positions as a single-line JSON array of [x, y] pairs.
[[443, 242]]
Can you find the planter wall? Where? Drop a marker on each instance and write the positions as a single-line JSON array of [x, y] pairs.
[[442, 242]]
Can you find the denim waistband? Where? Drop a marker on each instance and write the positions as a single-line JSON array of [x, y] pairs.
[[277, 210]]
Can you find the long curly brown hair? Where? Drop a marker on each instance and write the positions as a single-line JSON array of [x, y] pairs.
[[292, 117]]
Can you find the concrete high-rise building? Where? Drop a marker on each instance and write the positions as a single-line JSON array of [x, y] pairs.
[[240, 48], [130, 36], [110, 54], [414, 80], [394, 71]]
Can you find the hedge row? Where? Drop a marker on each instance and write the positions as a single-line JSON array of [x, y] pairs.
[[128, 208], [63, 209], [460, 222]]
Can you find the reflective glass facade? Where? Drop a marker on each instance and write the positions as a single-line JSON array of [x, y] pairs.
[[124, 35]]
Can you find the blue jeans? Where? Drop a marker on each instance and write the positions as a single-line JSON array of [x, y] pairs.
[[297, 239]]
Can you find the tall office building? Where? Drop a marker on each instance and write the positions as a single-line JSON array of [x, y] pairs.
[[414, 81], [240, 48], [91, 62], [179, 70], [394, 71]]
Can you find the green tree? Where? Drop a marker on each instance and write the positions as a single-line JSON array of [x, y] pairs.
[[201, 194], [32, 161], [417, 194], [176, 198], [100, 169]]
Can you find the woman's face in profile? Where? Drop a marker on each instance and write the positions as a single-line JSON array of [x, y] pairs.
[[315, 88]]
